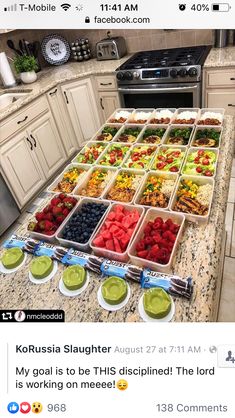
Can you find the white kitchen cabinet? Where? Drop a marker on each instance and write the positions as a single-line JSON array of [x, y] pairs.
[[219, 89], [21, 168], [64, 126], [221, 99], [82, 108], [109, 102], [47, 144]]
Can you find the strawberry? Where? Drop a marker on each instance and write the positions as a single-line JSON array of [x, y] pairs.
[[65, 212], [60, 219], [42, 225], [62, 196], [69, 202], [48, 226], [55, 201], [40, 216], [57, 211], [46, 209], [48, 217]]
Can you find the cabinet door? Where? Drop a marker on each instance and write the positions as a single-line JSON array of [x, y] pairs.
[[47, 144], [222, 99], [63, 124], [82, 108], [21, 168], [109, 102]]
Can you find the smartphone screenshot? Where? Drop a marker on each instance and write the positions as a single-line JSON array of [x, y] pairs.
[[117, 209]]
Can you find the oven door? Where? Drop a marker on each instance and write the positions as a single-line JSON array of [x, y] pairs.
[[164, 95]]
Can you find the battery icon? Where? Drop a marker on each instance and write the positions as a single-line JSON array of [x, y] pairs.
[[220, 7]]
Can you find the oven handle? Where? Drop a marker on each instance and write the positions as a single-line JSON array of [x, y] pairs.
[[154, 90]]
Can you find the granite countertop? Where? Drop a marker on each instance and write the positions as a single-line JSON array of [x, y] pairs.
[[221, 57], [199, 256], [50, 77]]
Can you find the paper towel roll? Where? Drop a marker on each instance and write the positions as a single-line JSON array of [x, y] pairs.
[[6, 72]]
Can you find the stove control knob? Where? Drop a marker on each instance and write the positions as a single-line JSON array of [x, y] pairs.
[[182, 72], [128, 76], [136, 75], [192, 72], [120, 76], [173, 73]]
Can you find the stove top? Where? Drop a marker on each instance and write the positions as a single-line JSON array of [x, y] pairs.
[[168, 64]]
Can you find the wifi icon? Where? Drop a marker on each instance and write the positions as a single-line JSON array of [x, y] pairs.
[[65, 6]]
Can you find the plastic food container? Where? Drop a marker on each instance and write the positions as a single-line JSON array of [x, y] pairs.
[[152, 127], [51, 238], [203, 128], [80, 246], [213, 110], [84, 167], [90, 144], [146, 110], [185, 109], [165, 176], [83, 183], [114, 115], [200, 219], [140, 173], [112, 255], [150, 215], [111, 125], [147, 165], [167, 147], [128, 126], [120, 145], [172, 110], [195, 149], [182, 127]]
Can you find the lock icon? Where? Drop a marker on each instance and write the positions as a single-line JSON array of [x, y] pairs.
[[87, 19]]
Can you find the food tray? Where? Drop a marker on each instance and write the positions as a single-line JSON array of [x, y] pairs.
[[112, 255], [119, 144], [220, 111], [51, 238], [148, 165], [145, 110], [171, 127], [126, 126], [185, 109], [80, 246], [150, 215], [199, 219], [111, 184], [182, 148], [152, 126], [173, 110], [99, 132], [82, 184], [86, 167], [208, 127], [194, 149], [89, 144], [131, 110], [166, 176]]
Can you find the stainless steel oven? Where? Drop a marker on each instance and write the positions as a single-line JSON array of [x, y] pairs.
[[161, 95]]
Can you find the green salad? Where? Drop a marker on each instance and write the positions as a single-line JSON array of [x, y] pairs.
[[201, 162]]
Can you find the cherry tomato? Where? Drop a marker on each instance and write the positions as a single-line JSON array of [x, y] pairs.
[[174, 169], [208, 173], [205, 161], [199, 169]]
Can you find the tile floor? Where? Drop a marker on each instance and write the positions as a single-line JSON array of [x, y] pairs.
[[227, 300]]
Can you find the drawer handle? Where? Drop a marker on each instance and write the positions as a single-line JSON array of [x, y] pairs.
[[30, 143], [101, 103], [34, 140], [106, 84], [53, 92], [232, 78], [23, 120], [66, 97], [231, 105]]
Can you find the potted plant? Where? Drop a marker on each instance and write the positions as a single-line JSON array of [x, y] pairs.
[[26, 66]]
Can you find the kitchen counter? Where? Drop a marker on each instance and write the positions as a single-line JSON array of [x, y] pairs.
[[199, 255], [50, 77], [221, 57]]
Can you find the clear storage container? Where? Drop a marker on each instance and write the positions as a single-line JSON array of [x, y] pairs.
[[118, 163], [58, 179], [80, 246], [191, 150], [198, 129], [152, 127], [204, 110], [96, 138], [146, 166], [165, 176], [168, 147], [151, 215], [155, 115], [181, 127], [181, 110], [123, 129], [140, 173], [145, 113], [112, 255], [83, 184], [114, 116], [88, 145], [199, 219]]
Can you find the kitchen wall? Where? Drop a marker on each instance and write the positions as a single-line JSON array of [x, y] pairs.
[[136, 39]]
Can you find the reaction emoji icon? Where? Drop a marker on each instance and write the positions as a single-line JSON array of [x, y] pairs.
[[122, 384], [13, 407], [36, 407], [25, 407]]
